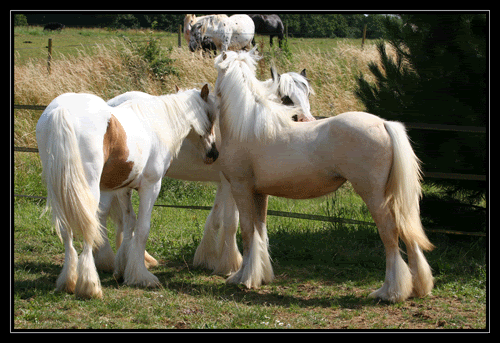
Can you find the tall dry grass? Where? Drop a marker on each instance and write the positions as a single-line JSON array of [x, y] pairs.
[[106, 71], [112, 69]]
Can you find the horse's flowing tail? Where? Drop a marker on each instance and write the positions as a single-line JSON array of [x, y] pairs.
[[73, 205], [403, 190]]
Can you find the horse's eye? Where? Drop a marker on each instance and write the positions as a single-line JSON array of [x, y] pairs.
[[286, 100]]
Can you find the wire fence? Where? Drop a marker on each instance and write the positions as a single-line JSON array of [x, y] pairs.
[[305, 216]]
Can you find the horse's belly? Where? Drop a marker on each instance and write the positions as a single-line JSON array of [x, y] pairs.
[[300, 187]]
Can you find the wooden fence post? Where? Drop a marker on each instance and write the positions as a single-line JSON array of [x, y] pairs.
[[261, 61], [49, 57], [364, 37], [179, 40]]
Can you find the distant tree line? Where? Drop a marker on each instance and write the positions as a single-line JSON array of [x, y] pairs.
[[299, 25]]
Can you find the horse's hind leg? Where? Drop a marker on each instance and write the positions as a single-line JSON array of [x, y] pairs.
[[88, 284], [398, 284], [67, 279], [122, 213], [103, 255], [229, 257], [207, 254], [125, 229], [218, 249]]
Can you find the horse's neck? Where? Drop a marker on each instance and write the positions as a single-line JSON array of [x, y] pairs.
[[171, 125]]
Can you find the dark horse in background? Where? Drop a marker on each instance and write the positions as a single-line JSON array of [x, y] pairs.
[[268, 25]]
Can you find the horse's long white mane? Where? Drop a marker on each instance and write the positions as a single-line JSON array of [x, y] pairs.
[[171, 116], [245, 109], [289, 81]]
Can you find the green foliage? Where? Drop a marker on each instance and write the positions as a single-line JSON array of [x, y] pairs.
[[438, 76], [123, 21], [159, 62], [20, 20], [285, 49], [152, 58], [299, 25], [334, 25]]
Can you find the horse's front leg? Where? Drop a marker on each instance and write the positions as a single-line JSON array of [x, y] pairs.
[[226, 41], [136, 272], [256, 268]]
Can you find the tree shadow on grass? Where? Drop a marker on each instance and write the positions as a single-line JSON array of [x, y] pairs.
[[344, 264], [317, 268], [284, 291]]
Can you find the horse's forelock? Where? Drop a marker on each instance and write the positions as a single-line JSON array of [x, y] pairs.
[[224, 60]]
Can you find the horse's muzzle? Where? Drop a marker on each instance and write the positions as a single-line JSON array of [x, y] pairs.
[[212, 155]]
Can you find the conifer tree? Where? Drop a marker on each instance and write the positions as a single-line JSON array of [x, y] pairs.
[[438, 76]]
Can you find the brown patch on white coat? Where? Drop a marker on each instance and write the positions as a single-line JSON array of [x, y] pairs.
[[116, 168]]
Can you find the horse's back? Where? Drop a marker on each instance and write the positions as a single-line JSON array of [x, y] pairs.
[[120, 99], [88, 113], [243, 26], [355, 124]]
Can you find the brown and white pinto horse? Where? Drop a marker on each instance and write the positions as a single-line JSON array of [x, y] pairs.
[[92, 152]]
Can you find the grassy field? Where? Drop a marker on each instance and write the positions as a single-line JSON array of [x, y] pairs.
[[324, 271]]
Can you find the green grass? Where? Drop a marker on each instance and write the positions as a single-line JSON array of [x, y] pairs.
[[324, 271], [31, 42], [68, 40]]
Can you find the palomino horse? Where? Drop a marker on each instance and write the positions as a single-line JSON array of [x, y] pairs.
[[218, 249], [92, 152], [262, 153], [234, 32]]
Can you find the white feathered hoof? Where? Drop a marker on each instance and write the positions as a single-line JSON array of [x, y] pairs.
[[398, 284], [256, 268]]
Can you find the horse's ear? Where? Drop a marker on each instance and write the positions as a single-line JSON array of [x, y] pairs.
[[204, 92], [303, 73], [224, 55], [177, 89], [274, 74]]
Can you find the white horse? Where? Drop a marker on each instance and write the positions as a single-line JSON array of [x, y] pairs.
[[218, 249], [92, 152], [262, 153], [235, 32], [292, 89], [189, 21]]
